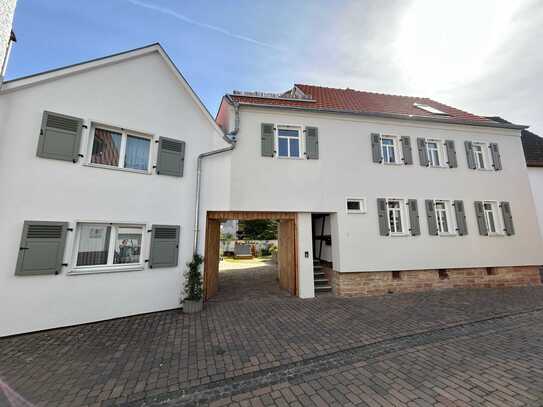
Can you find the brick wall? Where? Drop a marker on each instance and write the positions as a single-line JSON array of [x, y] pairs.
[[384, 282]]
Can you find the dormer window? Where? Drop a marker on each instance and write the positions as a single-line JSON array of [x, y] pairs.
[[429, 109]]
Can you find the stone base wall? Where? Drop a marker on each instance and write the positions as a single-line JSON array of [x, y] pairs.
[[387, 282]]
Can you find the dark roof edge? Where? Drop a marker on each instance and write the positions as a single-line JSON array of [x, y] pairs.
[[395, 116], [82, 63]]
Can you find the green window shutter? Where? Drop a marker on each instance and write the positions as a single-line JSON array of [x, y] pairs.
[[509, 228], [164, 246], [451, 154], [414, 217], [60, 137], [496, 158], [460, 213], [470, 155], [406, 150], [431, 217], [312, 143], [42, 248], [480, 214], [171, 157], [423, 152], [267, 140], [376, 148], [384, 229]]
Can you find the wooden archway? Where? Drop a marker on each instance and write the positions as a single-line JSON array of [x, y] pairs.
[[287, 255]]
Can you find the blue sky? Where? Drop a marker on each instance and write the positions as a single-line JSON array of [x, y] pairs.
[[486, 61]]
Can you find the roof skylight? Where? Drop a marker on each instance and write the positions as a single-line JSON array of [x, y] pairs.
[[429, 109]]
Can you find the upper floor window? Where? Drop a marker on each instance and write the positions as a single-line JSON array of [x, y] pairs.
[[436, 153], [288, 142], [481, 158], [120, 148], [389, 149]]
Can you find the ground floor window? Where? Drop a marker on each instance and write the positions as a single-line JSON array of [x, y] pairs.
[[444, 218], [106, 246], [492, 219], [396, 216]]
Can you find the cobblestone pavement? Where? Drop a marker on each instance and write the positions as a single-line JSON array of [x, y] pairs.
[[454, 347]]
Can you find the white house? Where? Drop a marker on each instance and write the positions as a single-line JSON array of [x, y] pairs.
[[98, 169], [418, 194], [114, 174]]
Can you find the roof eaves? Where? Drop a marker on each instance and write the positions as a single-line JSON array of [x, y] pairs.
[[449, 120]]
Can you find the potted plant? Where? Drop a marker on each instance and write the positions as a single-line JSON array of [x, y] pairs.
[[193, 301]]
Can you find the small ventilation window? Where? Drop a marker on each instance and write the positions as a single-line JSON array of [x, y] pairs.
[[356, 205], [396, 275], [430, 109], [491, 271], [443, 274]]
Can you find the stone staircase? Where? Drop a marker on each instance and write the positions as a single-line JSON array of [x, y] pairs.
[[322, 285]]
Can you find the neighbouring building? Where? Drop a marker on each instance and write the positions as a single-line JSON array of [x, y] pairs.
[[98, 169], [7, 37]]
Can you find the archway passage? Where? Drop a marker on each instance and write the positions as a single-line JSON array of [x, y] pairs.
[[287, 264]]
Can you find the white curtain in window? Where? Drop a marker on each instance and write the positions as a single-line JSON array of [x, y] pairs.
[[137, 153]]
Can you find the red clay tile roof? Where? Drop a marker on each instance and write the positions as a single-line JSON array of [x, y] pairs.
[[354, 101]]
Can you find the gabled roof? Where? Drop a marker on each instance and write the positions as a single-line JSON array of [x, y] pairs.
[[54, 74], [531, 143], [317, 98]]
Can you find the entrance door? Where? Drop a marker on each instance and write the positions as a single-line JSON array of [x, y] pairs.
[[288, 270]]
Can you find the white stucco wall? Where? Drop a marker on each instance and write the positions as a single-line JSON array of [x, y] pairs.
[[140, 94], [536, 182], [306, 288], [345, 169], [7, 11]]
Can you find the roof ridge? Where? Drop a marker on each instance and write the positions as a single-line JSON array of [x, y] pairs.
[[365, 91]]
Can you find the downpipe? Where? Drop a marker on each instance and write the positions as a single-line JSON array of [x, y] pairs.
[[231, 139]]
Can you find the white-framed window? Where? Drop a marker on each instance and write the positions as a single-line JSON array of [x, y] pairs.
[[390, 150], [444, 217], [108, 247], [436, 153], [289, 142], [120, 148], [493, 220], [481, 153], [356, 205], [396, 215]]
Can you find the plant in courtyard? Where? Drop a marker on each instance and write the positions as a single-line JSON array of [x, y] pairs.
[[193, 280]]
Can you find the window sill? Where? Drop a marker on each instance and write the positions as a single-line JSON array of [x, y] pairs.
[[398, 234], [290, 158], [396, 163], [109, 167], [450, 234], [102, 270], [438, 166], [356, 212]]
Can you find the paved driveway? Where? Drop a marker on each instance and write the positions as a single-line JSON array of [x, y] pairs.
[[396, 350]]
